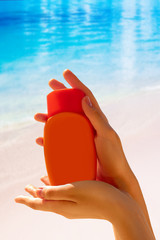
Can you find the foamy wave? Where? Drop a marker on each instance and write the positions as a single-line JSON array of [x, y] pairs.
[[151, 88]]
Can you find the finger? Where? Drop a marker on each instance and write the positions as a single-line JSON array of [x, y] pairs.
[[31, 190], [45, 180], [34, 203], [41, 117], [76, 83], [39, 141], [59, 207], [56, 85], [62, 192], [99, 123]]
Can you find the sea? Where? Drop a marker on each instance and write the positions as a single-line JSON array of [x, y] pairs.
[[113, 46]]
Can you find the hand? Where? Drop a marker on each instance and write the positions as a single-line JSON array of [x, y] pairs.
[[112, 166], [97, 199], [91, 199], [83, 199]]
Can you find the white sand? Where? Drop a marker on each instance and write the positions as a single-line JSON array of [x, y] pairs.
[[135, 118]]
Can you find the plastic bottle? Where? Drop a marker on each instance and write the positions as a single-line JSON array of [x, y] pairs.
[[69, 147]]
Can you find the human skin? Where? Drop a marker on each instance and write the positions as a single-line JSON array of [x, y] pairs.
[[115, 196]]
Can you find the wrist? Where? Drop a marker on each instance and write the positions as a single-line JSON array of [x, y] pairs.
[[131, 222], [117, 208]]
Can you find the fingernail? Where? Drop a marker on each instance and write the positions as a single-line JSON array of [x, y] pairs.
[[40, 192], [88, 101]]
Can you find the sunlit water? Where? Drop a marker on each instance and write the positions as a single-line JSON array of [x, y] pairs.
[[112, 46]]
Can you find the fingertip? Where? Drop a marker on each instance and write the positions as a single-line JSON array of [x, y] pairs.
[[35, 116], [39, 141], [43, 178], [51, 81], [66, 71], [18, 199], [26, 187], [41, 117]]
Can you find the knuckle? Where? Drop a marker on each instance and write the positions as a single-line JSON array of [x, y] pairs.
[[111, 133], [88, 91], [94, 111], [72, 191], [49, 193], [115, 135], [71, 195]]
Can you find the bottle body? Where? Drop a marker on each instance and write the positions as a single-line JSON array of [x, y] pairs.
[[69, 148]]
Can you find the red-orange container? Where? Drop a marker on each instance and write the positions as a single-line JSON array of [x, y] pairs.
[[69, 147]]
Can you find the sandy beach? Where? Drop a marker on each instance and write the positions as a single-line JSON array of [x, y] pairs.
[[136, 118]]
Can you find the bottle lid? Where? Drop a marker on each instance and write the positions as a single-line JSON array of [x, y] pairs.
[[65, 100]]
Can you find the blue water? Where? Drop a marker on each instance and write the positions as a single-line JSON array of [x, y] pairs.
[[113, 46]]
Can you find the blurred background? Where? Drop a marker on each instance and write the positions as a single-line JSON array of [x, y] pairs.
[[112, 46]]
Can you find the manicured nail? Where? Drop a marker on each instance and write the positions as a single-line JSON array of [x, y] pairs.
[[40, 192], [88, 101]]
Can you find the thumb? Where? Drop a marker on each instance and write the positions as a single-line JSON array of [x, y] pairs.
[[63, 192], [95, 116]]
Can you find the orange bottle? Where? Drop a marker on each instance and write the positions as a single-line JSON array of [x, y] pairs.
[[69, 147]]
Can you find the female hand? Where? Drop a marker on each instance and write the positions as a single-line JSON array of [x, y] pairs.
[[122, 205], [83, 199], [91, 199], [112, 166]]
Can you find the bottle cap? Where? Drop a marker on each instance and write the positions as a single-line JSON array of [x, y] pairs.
[[65, 100]]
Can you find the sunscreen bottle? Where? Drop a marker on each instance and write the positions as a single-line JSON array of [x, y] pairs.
[[69, 148]]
